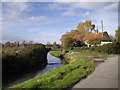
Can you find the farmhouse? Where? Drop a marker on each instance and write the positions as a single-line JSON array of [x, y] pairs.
[[87, 37]]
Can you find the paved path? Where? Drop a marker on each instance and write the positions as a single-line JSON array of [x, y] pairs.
[[104, 76]]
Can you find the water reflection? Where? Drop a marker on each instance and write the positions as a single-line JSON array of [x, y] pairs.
[[29, 74]]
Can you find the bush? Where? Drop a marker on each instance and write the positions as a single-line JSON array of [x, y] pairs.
[[20, 58], [111, 48]]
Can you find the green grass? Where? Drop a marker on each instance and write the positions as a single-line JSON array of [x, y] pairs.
[[88, 52], [56, 53], [61, 77]]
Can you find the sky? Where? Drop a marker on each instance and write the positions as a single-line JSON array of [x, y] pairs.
[[46, 21]]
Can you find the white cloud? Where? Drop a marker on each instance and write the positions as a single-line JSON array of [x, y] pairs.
[[73, 13], [70, 13], [112, 7], [58, 6], [37, 18], [108, 6], [14, 10], [40, 20]]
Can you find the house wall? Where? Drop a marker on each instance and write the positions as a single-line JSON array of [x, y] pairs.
[[102, 43]]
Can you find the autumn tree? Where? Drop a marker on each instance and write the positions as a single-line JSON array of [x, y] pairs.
[[67, 41], [86, 26]]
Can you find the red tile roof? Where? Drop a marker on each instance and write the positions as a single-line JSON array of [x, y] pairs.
[[89, 36], [80, 37]]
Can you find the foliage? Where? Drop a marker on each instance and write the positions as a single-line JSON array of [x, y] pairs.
[[68, 40], [117, 32], [85, 50], [98, 40], [56, 46], [111, 48], [86, 26], [61, 77], [20, 58], [79, 43], [94, 41]]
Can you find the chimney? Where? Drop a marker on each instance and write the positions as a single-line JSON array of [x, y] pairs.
[[96, 31]]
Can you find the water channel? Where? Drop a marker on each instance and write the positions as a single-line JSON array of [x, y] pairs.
[[29, 74]]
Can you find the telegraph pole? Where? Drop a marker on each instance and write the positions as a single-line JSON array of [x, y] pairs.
[[102, 25]]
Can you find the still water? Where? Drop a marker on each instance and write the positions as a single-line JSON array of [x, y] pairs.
[[29, 74]]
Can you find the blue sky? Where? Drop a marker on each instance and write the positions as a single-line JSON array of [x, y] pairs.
[[46, 21]]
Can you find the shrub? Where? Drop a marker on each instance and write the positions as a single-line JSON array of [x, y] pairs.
[[111, 48], [20, 58]]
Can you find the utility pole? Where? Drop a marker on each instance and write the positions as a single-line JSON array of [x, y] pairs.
[[102, 25]]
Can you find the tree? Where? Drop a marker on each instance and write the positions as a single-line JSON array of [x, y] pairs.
[[48, 45], [86, 26], [30, 42], [79, 43], [117, 34], [7, 44], [67, 41], [54, 45], [16, 43]]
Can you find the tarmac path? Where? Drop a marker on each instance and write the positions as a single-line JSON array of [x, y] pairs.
[[104, 76]]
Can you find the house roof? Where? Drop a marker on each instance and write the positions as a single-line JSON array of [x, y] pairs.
[[93, 36], [79, 37], [89, 36]]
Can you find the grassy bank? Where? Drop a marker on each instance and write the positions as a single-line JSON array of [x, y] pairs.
[[56, 53], [64, 76]]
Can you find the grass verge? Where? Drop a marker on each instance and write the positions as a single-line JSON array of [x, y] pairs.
[[88, 52], [61, 77], [56, 53]]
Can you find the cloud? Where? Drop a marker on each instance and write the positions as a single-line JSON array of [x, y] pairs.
[[85, 0], [108, 6], [58, 6], [47, 36], [6, 38], [73, 13], [70, 13], [14, 10], [37, 18]]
